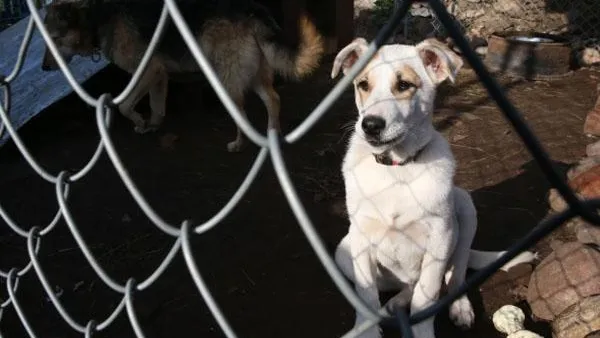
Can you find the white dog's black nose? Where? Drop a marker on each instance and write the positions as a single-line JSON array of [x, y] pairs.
[[373, 125]]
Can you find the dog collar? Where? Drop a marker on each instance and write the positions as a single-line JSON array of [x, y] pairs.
[[385, 158]]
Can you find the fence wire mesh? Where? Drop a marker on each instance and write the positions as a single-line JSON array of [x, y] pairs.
[[578, 21], [271, 147]]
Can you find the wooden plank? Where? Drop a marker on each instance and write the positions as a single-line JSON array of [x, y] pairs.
[[34, 90]]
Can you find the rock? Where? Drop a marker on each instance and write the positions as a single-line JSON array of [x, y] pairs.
[[508, 319], [589, 56], [482, 51], [557, 203], [564, 278], [570, 227], [593, 149], [587, 183], [583, 165], [579, 320], [587, 233], [583, 178]]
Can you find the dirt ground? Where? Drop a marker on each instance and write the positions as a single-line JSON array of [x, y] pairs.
[[257, 263]]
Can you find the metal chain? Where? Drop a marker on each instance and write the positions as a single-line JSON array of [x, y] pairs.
[[270, 144]]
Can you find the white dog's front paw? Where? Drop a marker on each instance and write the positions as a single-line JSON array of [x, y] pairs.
[[461, 313]]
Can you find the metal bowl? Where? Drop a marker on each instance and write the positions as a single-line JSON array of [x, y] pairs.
[[530, 39], [529, 55]]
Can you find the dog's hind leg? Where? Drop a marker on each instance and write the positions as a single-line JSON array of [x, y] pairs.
[[461, 310], [239, 143], [265, 90], [158, 101]]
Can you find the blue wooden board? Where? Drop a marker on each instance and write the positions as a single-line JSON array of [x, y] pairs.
[[35, 90]]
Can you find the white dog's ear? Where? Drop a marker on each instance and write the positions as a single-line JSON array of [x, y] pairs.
[[440, 61], [348, 56]]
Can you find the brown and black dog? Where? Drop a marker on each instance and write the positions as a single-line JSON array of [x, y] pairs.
[[241, 41]]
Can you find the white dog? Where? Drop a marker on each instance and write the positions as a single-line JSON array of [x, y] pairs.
[[409, 225]]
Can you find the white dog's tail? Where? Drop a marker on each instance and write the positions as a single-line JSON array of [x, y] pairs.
[[480, 259]]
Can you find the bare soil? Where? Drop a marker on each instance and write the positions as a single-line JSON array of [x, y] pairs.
[[257, 262]]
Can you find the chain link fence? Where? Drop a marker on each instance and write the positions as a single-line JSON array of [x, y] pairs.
[[271, 148], [578, 20]]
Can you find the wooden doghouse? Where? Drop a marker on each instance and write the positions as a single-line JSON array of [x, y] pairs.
[[334, 19]]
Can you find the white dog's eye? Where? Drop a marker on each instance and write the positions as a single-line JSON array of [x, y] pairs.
[[403, 85], [363, 85]]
